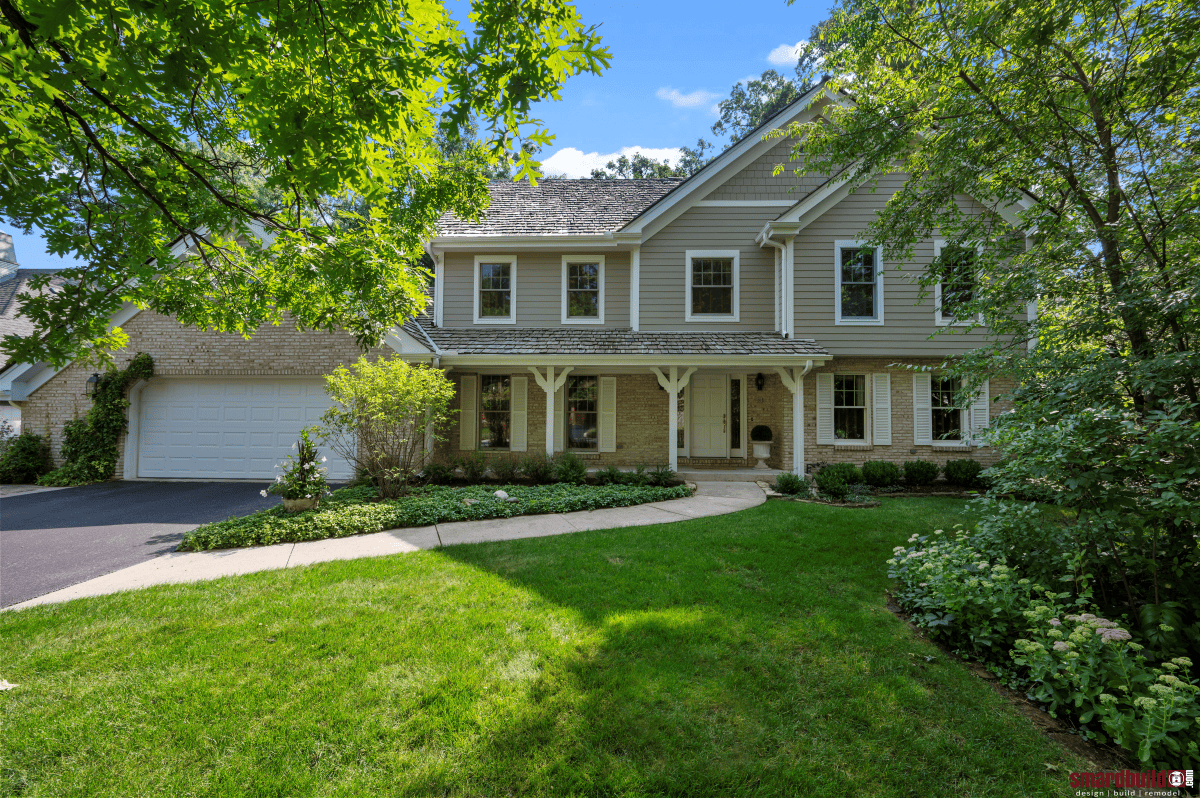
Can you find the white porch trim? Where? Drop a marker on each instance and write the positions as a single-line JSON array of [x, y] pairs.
[[550, 384], [673, 386], [794, 382]]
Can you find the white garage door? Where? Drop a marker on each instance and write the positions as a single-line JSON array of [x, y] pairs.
[[226, 428]]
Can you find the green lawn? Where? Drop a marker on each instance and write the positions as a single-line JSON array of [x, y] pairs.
[[748, 654]]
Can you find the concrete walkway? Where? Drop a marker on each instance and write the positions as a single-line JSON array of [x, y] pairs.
[[711, 498]]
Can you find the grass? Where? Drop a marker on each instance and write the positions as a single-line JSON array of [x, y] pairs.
[[747, 654]]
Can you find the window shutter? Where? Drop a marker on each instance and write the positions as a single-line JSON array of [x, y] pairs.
[[468, 416], [520, 414], [560, 419], [881, 409], [980, 411], [608, 414], [922, 409], [825, 409]]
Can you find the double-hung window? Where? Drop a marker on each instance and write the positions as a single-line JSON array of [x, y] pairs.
[[947, 417], [495, 289], [712, 285], [858, 284], [495, 411], [850, 407], [955, 288], [583, 289], [583, 413]]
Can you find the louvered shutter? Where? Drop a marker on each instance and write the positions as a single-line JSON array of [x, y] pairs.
[[468, 416], [520, 414], [881, 409], [560, 419], [922, 409], [980, 412], [825, 409], [608, 414]]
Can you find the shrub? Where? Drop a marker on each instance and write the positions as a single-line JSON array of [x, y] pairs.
[[791, 484], [831, 483], [303, 476], [379, 417], [570, 469], [538, 468], [610, 476], [504, 469], [439, 474], [920, 472], [660, 476], [849, 474], [637, 477], [25, 459], [964, 473], [880, 473], [760, 434], [473, 467]]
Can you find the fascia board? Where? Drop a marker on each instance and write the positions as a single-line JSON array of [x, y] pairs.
[[721, 169], [456, 243], [403, 343], [643, 361]]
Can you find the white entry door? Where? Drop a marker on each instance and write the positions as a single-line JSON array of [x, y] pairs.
[[227, 427], [710, 416]]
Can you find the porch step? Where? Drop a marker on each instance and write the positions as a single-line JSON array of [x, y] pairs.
[[729, 474]]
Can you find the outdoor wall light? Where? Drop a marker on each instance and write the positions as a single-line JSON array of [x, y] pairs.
[[89, 387], [759, 381]]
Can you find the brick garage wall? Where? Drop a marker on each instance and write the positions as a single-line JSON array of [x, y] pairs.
[[186, 351], [641, 422], [902, 447]]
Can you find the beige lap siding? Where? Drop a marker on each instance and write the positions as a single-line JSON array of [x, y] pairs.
[[902, 447], [185, 351]]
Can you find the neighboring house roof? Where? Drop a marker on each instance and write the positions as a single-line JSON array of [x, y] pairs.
[[560, 207], [12, 287], [612, 341]]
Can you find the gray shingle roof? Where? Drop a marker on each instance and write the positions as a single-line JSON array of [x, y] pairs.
[[11, 287], [560, 207], [614, 341]]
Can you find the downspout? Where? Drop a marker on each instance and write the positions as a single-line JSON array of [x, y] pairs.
[[763, 239]]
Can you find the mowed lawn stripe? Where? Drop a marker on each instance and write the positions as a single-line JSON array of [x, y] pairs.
[[747, 654]]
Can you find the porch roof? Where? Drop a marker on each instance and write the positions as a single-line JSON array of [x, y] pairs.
[[509, 341]]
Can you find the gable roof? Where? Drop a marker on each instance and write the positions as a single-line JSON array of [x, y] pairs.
[[12, 286], [560, 207]]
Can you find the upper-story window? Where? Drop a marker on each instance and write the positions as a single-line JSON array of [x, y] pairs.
[[858, 284], [583, 289], [947, 417], [712, 285], [495, 289], [955, 287]]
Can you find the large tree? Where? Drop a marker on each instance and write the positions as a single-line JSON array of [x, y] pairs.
[[1081, 118], [293, 149]]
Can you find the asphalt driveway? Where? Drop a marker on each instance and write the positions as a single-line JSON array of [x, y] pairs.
[[59, 538]]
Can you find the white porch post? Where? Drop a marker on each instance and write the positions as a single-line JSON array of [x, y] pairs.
[[673, 385], [794, 382], [550, 385]]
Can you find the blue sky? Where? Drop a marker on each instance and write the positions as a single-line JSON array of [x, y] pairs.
[[672, 62]]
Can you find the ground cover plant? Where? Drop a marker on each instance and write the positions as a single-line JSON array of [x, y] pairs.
[[748, 654], [359, 510]]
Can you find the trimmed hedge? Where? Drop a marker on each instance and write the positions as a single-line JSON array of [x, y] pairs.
[[353, 511]]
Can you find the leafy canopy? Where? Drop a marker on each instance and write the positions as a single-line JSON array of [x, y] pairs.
[[290, 149]]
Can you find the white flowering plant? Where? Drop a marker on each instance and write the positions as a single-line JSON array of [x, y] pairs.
[[302, 474]]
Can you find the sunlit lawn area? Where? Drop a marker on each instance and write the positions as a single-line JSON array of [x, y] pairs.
[[748, 654]]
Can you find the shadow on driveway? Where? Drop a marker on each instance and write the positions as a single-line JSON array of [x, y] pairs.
[[59, 538]]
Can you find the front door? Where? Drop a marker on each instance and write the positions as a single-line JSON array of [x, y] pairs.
[[710, 420]]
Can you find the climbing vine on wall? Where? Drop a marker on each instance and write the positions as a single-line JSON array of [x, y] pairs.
[[89, 446]]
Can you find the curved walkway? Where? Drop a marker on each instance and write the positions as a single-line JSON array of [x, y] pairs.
[[711, 498]]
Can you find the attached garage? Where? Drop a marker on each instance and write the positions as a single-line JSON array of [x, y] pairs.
[[224, 427]]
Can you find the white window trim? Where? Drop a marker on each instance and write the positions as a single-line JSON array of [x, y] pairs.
[[735, 255], [865, 441], [479, 378], [568, 259], [511, 260], [964, 421], [938, 319], [837, 285]]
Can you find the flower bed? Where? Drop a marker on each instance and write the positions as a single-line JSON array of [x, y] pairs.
[[1077, 664], [357, 511]]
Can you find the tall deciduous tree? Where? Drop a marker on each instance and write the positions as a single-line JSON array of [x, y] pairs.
[[291, 148], [1081, 118]]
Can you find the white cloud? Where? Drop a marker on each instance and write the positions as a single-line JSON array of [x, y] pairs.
[[693, 99], [576, 163], [786, 54]]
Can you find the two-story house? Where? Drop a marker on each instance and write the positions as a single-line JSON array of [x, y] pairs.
[[630, 321]]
